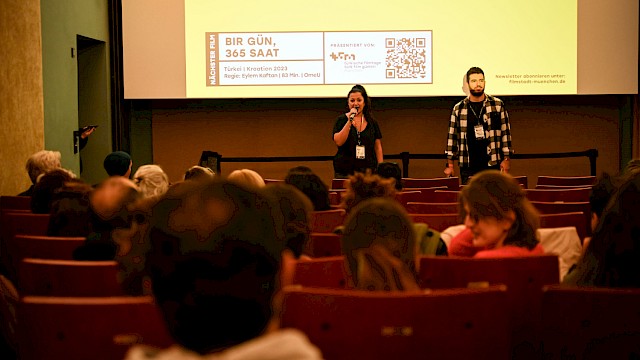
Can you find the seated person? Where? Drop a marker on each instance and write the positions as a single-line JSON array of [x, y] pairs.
[[215, 278], [312, 186], [118, 163], [290, 211], [612, 258], [111, 205], [151, 180], [199, 172], [247, 178], [390, 170], [601, 193], [70, 214], [38, 164], [379, 246], [46, 186], [500, 221], [361, 186]]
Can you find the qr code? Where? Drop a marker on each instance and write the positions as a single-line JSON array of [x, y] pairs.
[[406, 58]]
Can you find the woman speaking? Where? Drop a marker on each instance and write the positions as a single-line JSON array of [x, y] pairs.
[[357, 135]]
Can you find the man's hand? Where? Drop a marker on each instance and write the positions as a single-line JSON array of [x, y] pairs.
[[505, 165], [448, 171]]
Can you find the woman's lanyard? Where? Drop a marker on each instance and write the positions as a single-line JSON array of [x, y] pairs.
[[360, 153], [359, 131]]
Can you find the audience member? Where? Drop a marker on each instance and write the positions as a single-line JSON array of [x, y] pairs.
[[246, 177], [601, 193], [632, 165], [300, 169], [197, 172], [391, 170], [70, 212], [214, 263], [38, 164], [500, 220], [361, 186], [312, 186], [291, 210], [112, 204], [612, 258], [118, 163], [46, 186], [379, 246], [151, 180]]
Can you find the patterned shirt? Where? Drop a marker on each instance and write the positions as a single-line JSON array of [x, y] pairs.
[[496, 129]]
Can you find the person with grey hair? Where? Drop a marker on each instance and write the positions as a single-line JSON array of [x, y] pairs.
[[198, 172], [38, 164], [247, 177], [151, 180]]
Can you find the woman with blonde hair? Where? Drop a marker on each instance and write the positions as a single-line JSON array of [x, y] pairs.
[[151, 180], [247, 178]]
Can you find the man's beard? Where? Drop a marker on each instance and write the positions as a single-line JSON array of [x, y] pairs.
[[476, 92]]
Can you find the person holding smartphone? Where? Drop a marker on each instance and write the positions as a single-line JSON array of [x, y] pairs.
[[357, 135]]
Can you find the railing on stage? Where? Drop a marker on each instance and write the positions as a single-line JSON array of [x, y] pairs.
[[213, 159]]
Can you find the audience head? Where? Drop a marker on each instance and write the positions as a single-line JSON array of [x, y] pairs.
[[379, 246], [246, 177], [612, 258], [46, 186], [70, 215], [151, 180], [312, 186], [112, 205], [300, 169], [291, 209], [632, 165], [495, 208], [41, 162], [118, 163], [114, 197], [390, 170], [213, 262], [197, 172], [362, 186], [601, 193]]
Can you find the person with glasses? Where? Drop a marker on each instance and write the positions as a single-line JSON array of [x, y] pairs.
[[479, 131]]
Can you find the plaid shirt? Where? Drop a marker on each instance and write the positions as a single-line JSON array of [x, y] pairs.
[[496, 129]]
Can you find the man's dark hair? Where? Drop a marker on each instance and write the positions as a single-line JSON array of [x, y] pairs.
[[312, 186], [390, 170], [474, 70], [601, 193], [117, 163]]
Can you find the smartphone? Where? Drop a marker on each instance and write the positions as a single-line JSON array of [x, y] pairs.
[[88, 127]]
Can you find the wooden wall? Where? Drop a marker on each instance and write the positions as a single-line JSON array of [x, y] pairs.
[[21, 99], [302, 127]]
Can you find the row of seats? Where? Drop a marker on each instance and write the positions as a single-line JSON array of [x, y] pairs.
[[453, 183], [491, 308]]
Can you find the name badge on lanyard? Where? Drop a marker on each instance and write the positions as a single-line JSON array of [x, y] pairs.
[[360, 152], [479, 131]]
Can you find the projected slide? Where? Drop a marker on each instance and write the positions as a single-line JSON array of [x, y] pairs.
[[327, 58], [289, 48]]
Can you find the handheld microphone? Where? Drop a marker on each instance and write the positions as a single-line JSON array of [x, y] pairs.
[[354, 114]]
